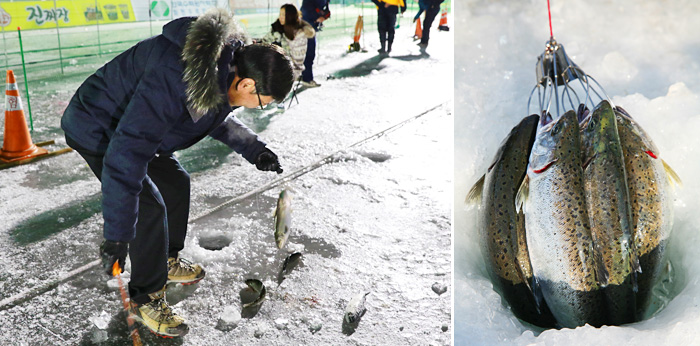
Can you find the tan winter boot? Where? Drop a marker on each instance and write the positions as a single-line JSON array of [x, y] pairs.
[[158, 317], [184, 272]]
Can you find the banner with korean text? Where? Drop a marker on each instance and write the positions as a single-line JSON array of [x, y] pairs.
[[46, 14]]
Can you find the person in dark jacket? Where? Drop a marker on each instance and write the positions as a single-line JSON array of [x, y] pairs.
[[315, 12], [422, 5], [126, 120], [386, 22], [432, 8]]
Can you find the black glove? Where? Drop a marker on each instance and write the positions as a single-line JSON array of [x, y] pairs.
[[112, 251], [267, 161]]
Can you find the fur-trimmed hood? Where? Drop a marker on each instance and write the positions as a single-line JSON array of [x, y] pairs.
[[206, 38], [309, 30]]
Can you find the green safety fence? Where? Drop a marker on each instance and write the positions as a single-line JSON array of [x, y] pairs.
[[60, 58]]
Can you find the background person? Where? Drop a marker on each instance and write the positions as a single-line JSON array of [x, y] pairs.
[[432, 8], [315, 12], [126, 120], [386, 21], [292, 33]]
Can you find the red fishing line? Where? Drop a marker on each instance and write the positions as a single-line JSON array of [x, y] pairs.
[[549, 12]]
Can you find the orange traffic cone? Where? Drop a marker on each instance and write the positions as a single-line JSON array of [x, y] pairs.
[[419, 32], [358, 29], [17, 143], [355, 45], [443, 21]]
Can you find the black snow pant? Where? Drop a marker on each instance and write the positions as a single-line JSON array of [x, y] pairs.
[[164, 208], [308, 74], [386, 21], [430, 14]]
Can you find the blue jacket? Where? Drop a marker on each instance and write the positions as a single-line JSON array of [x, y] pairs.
[[137, 106], [311, 10]]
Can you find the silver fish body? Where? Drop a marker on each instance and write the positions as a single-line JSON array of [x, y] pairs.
[[283, 218], [609, 213], [502, 228], [649, 180], [558, 235]]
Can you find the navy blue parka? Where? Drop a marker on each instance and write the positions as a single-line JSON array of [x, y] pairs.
[[137, 106], [311, 10]]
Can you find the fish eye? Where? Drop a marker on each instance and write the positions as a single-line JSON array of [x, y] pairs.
[[555, 129]]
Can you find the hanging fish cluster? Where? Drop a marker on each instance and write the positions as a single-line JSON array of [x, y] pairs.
[[576, 208]]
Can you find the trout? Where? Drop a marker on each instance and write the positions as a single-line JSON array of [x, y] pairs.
[[283, 218], [610, 217], [650, 181], [558, 235], [502, 228]]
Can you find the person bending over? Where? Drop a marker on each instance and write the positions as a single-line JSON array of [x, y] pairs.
[[126, 120]]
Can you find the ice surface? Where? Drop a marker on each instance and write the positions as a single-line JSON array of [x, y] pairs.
[[645, 56], [363, 223]]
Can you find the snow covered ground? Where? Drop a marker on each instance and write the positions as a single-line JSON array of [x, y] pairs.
[[646, 55], [375, 218]]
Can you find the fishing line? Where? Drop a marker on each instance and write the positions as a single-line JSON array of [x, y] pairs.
[[43, 288], [549, 12]]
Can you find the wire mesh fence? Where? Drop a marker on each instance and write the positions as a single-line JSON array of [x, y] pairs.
[[58, 43]]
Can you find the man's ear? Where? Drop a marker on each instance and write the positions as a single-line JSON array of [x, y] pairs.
[[248, 84]]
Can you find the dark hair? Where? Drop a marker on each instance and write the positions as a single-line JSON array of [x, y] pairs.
[[268, 66], [291, 22]]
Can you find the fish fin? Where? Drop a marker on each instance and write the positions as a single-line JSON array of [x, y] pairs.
[[588, 161], [537, 293], [474, 195], [673, 177], [601, 272], [523, 192], [529, 283], [635, 267]]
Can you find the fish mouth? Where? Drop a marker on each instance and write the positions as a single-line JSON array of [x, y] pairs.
[[546, 123], [622, 111], [545, 119], [582, 113]]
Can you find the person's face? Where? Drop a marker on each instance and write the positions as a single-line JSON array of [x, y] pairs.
[[242, 92], [282, 15]]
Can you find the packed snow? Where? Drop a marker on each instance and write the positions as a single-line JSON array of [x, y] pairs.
[[645, 54]]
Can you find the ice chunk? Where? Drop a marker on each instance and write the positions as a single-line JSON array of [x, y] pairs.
[[260, 331], [99, 336], [101, 320], [229, 318], [281, 323], [315, 326]]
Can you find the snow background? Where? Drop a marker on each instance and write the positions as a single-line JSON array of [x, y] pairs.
[[646, 54], [376, 218]]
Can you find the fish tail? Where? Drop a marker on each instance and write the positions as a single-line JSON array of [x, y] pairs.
[[673, 177], [474, 195], [523, 193]]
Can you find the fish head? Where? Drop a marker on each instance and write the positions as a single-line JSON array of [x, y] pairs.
[[284, 200], [597, 129], [554, 140], [518, 141], [627, 125]]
